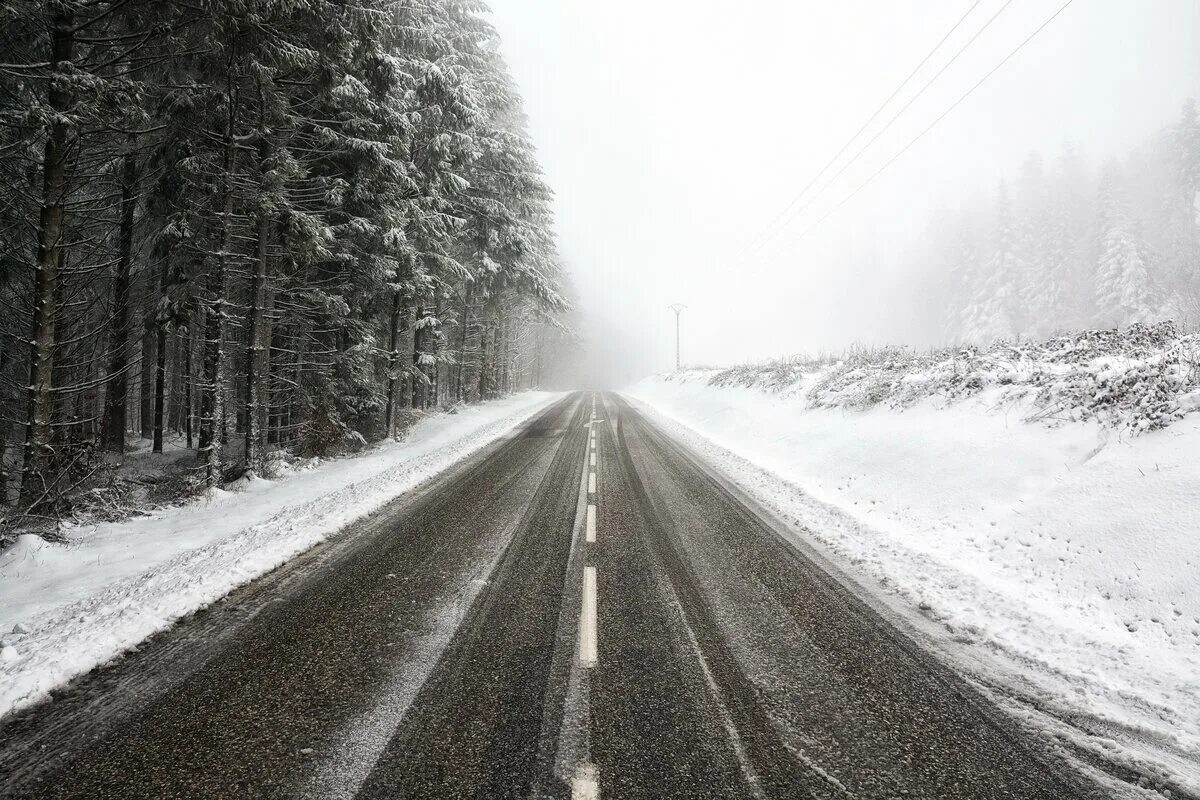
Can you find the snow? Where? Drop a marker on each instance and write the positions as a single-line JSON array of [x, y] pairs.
[[73, 606], [1057, 566]]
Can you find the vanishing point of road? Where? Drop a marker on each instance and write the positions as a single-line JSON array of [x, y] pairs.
[[582, 610]]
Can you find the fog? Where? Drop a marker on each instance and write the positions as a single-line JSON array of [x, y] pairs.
[[675, 132]]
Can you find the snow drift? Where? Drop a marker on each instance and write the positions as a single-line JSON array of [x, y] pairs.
[[1034, 510], [66, 608]]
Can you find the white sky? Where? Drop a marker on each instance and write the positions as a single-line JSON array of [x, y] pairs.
[[674, 131]]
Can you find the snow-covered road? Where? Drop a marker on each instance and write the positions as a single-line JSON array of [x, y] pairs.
[[583, 609], [65, 608], [1058, 566]]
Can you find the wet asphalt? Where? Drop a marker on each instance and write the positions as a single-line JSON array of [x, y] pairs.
[[434, 651]]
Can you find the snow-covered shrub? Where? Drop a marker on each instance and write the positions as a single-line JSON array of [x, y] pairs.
[[1131, 378], [775, 375], [325, 434]]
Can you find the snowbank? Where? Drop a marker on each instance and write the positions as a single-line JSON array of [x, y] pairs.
[[1059, 565], [64, 609], [1140, 378]]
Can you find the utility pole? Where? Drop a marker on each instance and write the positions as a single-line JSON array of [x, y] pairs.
[[678, 309]]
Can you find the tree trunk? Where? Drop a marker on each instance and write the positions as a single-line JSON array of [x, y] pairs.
[[118, 379], [464, 327], [160, 382], [418, 370], [266, 361], [276, 397], [211, 391], [4, 430], [49, 257], [60, 409], [393, 363], [253, 347], [538, 343], [500, 356], [177, 402], [3, 458], [149, 359], [212, 401], [189, 382], [161, 320], [433, 343], [487, 355]]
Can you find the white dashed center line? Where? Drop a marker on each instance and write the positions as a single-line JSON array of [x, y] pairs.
[[586, 783], [587, 620]]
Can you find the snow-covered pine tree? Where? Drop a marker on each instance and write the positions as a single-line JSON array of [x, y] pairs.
[[22, 132], [1181, 245], [1041, 301], [1067, 258], [445, 141], [997, 308], [1123, 284], [514, 263], [246, 214], [963, 275], [73, 75], [249, 213]]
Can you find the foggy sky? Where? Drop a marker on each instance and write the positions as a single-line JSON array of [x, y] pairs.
[[674, 131]]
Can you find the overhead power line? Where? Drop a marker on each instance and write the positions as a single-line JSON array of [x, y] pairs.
[[933, 124], [813, 199], [887, 126], [766, 232]]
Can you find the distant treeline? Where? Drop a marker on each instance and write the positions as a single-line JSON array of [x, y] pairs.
[[257, 224], [1070, 245]]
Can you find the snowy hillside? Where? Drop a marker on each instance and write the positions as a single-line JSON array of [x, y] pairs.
[[1141, 378], [1034, 509]]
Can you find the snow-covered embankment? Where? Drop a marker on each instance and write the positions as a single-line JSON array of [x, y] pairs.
[[65, 608], [1058, 565]]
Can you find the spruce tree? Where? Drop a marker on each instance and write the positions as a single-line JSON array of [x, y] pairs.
[[1123, 291], [998, 306]]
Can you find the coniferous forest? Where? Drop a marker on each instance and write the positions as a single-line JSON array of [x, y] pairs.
[[832, 431], [1069, 243], [247, 227]]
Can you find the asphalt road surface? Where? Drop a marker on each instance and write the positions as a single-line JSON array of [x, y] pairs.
[[581, 610]]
